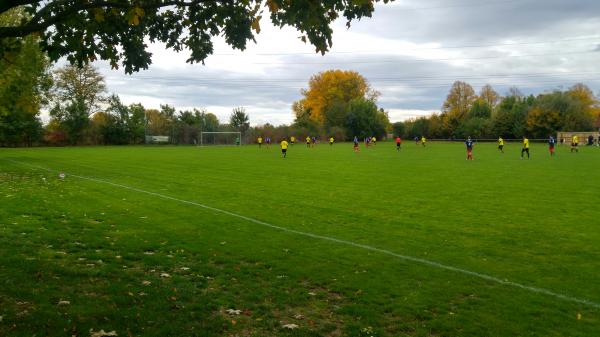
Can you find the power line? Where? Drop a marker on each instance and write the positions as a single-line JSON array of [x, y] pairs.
[[577, 39], [243, 86], [371, 79], [427, 60]]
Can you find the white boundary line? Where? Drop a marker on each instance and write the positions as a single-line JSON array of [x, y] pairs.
[[340, 241]]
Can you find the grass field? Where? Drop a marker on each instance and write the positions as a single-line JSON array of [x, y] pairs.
[[135, 252]]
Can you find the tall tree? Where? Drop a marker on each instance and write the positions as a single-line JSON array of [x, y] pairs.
[[136, 123], [329, 93], [458, 103], [541, 122], [480, 109], [364, 120], [24, 83], [118, 30], [489, 95], [77, 94], [239, 120]]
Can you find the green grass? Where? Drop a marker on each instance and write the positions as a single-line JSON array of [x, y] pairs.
[[103, 248]]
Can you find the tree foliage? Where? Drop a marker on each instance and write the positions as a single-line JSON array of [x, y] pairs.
[[364, 120], [117, 30], [328, 95], [512, 116], [239, 120], [458, 103], [77, 93], [24, 83]]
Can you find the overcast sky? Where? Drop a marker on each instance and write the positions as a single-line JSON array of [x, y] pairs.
[[411, 51]]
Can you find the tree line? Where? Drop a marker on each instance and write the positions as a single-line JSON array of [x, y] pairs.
[[489, 115]]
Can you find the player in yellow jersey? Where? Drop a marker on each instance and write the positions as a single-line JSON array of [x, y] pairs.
[[575, 144], [307, 141], [501, 144], [292, 140], [331, 140], [284, 147], [374, 140], [525, 147], [423, 141], [259, 141]]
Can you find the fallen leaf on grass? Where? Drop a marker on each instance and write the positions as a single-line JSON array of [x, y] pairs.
[[165, 275], [185, 268], [148, 253], [146, 283], [61, 302], [290, 326], [102, 333]]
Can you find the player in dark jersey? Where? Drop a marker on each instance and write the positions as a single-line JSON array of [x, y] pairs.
[[356, 148], [469, 144], [551, 144]]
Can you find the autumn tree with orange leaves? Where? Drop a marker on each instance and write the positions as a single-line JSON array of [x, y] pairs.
[[328, 95]]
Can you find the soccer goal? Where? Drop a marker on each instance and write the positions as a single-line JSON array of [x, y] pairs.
[[220, 138]]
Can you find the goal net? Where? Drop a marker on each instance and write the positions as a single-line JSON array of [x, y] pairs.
[[220, 138]]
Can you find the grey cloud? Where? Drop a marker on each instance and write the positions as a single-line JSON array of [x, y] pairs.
[[406, 83]]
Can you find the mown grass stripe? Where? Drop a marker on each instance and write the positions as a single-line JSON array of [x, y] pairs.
[[336, 240]]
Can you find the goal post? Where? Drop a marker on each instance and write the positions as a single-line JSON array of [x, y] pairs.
[[220, 138]]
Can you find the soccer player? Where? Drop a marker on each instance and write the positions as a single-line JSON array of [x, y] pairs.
[[423, 140], [574, 144], [284, 146], [307, 141], [525, 147], [356, 148], [367, 140], [398, 143], [501, 144], [292, 140], [268, 141], [331, 141], [416, 140], [374, 140], [551, 143], [259, 140], [469, 144]]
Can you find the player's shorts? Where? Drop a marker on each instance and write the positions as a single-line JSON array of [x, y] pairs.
[[355, 145], [551, 147], [574, 144], [283, 150], [469, 151], [397, 144], [500, 147]]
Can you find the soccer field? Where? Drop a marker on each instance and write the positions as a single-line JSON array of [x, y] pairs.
[[237, 241]]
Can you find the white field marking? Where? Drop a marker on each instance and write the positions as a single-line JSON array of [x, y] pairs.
[[340, 241]]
